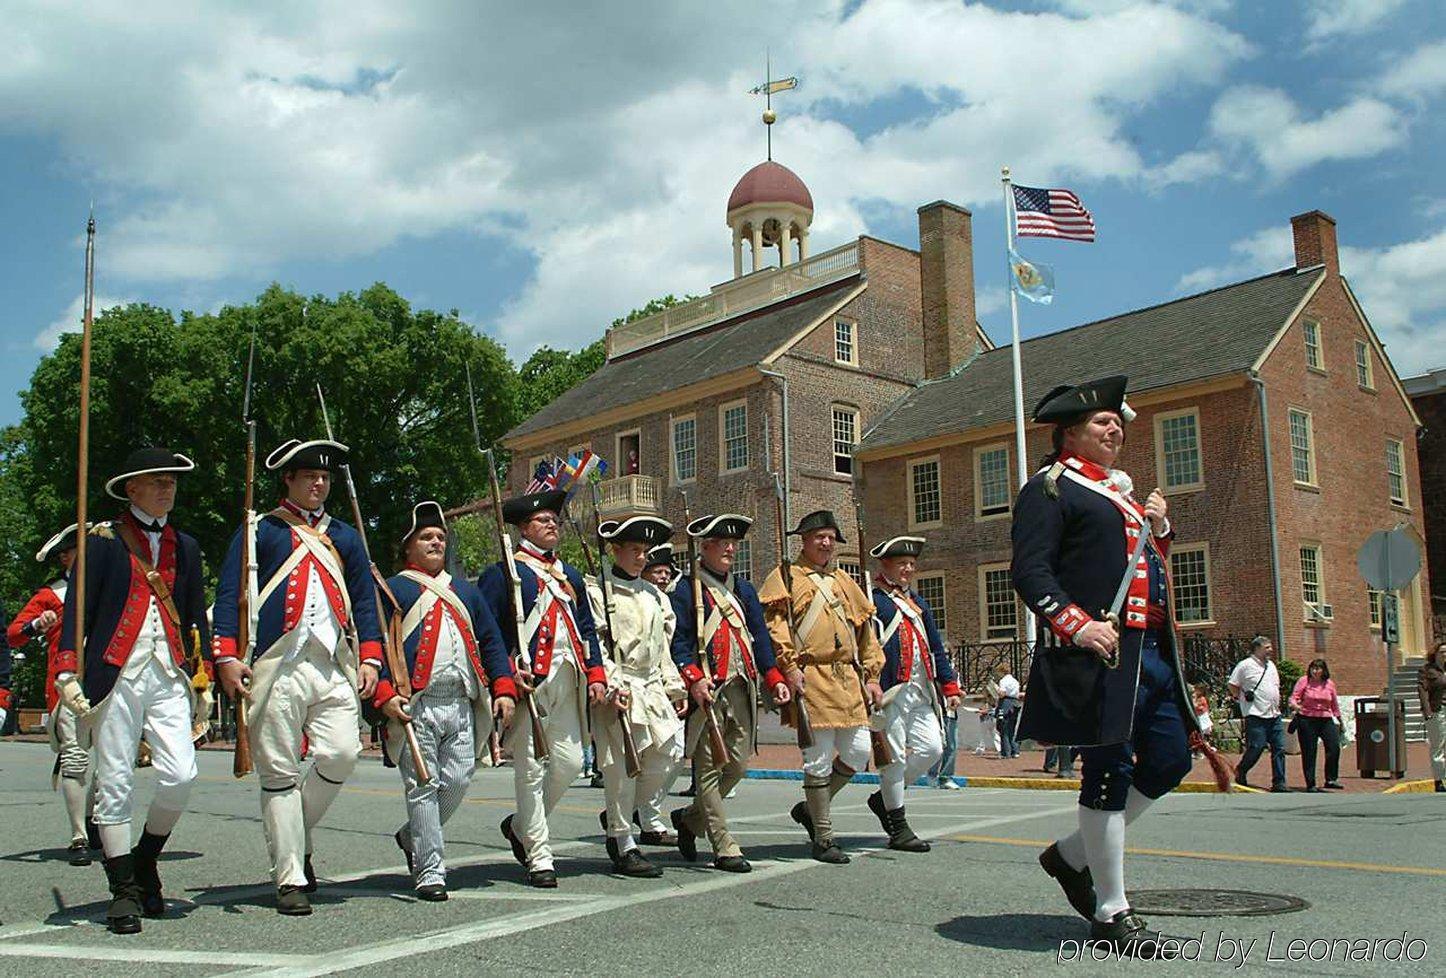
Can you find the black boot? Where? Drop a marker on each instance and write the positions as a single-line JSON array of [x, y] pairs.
[[799, 813], [634, 863], [1441, 785], [687, 841], [896, 826], [309, 873], [123, 916], [291, 901], [609, 842], [147, 876]]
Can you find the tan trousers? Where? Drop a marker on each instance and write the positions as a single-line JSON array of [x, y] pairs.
[[1436, 738], [706, 815], [540, 785]]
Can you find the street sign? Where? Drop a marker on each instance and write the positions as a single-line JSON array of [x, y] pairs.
[[1390, 620], [1389, 559]]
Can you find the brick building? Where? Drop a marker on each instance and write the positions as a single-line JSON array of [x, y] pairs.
[[1428, 395], [1268, 413]]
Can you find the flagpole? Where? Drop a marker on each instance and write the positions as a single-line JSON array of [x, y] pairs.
[[1021, 461]]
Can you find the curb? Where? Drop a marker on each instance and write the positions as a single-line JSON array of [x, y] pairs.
[[1411, 788]]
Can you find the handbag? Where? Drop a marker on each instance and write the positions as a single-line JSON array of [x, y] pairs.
[[1293, 725]]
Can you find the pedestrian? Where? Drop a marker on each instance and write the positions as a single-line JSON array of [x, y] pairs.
[[1060, 759], [1317, 719], [460, 678], [942, 773], [1431, 688], [1255, 685], [1090, 560], [317, 654], [143, 596], [1006, 711]]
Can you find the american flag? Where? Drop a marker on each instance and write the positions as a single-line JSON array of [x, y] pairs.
[[544, 479], [1040, 213]]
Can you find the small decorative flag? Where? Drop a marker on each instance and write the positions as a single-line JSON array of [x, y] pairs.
[[1033, 280], [1041, 213], [544, 478], [583, 467]]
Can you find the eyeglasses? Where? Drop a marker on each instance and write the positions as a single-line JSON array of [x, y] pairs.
[[545, 520]]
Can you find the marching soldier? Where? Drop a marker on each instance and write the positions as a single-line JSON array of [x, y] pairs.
[[143, 595], [40, 619], [834, 663], [735, 641], [310, 595], [917, 673], [452, 647], [647, 692], [659, 568], [562, 671], [1089, 559]]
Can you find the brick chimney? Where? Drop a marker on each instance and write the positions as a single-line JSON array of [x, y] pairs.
[[1315, 241], [946, 286]]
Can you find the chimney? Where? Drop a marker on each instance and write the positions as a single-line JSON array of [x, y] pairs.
[[946, 286], [1315, 241]]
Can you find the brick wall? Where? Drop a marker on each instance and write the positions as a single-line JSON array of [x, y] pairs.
[[1432, 451]]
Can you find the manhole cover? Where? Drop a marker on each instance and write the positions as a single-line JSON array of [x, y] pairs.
[[1213, 903]]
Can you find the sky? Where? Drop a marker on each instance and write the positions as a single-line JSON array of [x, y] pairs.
[[544, 168]]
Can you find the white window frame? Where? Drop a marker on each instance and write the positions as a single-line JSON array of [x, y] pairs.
[[1177, 549], [851, 565], [1375, 603], [1309, 446], [983, 573], [1404, 500], [1364, 366], [1310, 617], [840, 408], [853, 341], [940, 608], [723, 410], [673, 423], [1307, 328], [1160, 467], [743, 558], [916, 463], [979, 515]]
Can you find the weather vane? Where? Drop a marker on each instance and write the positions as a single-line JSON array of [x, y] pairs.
[[767, 89]]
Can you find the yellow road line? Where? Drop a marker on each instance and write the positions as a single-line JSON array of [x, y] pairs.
[[1228, 857]]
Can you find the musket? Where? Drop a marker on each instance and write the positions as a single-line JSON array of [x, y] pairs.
[[877, 741], [514, 580], [714, 729], [246, 609], [785, 570], [631, 763], [82, 467], [391, 636]]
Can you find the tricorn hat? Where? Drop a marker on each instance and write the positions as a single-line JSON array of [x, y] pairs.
[[727, 526], [659, 556], [636, 529], [898, 547], [294, 454], [520, 509], [146, 461], [1065, 404], [426, 513], [819, 519], [62, 541]]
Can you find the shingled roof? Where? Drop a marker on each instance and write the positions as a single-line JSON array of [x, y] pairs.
[[695, 357], [1211, 334]]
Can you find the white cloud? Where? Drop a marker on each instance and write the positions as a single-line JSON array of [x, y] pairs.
[[70, 321], [1420, 75], [1267, 250], [1267, 124], [1343, 18]]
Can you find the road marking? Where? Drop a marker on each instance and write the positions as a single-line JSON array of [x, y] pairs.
[[149, 955], [526, 897], [1229, 857]]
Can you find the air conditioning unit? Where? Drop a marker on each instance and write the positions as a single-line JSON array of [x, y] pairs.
[[1319, 611]]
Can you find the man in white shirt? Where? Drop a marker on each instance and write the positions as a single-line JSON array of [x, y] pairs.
[[1255, 684]]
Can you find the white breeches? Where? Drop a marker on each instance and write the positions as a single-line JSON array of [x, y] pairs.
[[915, 743], [851, 744], [160, 706]]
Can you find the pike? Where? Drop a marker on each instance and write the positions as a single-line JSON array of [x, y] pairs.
[[883, 757], [705, 661], [82, 467], [631, 763], [391, 636], [247, 612], [508, 559]]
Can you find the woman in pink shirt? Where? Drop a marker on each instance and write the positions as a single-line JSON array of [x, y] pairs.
[[1318, 717]]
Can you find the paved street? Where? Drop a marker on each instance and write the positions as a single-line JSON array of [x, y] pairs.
[[978, 904]]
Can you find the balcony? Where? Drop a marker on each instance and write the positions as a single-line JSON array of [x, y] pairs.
[[630, 495], [735, 298]]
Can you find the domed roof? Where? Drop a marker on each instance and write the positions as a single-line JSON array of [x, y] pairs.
[[770, 183]]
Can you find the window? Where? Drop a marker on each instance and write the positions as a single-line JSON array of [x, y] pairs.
[[1311, 590], [845, 437], [733, 430], [998, 610], [1364, 376], [1396, 471], [1190, 577], [931, 589], [852, 569], [925, 501], [1313, 359], [685, 449], [1302, 448], [1373, 604], [629, 453], [1177, 448], [844, 348], [743, 560], [991, 480]]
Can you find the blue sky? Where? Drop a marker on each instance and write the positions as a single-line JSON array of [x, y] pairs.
[[543, 169]]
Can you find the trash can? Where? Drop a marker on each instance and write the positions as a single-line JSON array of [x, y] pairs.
[[1372, 748]]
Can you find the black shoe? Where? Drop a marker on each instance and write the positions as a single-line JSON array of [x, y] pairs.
[[608, 841], [432, 893], [1126, 931], [830, 853], [291, 901], [1279, 789], [123, 916], [1440, 785], [687, 841], [518, 853], [148, 877], [651, 838], [596, 781], [1078, 884], [310, 875], [397, 838], [92, 834], [1240, 777], [688, 792], [799, 813], [896, 826], [1337, 786], [1313, 790], [78, 853], [543, 879], [633, 863], [733, 864]]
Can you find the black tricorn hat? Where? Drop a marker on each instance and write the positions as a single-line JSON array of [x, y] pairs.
[[660, 555], [61, 542], [520, 509], [899, 547], [727, 526], [636, 529], [146, 461], [819, 519], [1065, 404], [294, 454], [426, 513]]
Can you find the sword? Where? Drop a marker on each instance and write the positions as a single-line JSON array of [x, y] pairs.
[[1117, 605]]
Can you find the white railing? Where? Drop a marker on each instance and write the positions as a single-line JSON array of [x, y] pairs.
[[630, 495], [731, 299]]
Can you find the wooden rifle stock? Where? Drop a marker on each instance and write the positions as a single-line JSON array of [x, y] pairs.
[[803, 726], [716, 743], [878, 743]]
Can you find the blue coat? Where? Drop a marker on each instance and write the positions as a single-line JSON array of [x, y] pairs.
[[491, 661], [497, 593], [273, 546], [885, 610], [685, 635]]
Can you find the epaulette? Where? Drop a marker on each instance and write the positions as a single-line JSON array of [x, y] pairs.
[[1051, 480], [103, 530]]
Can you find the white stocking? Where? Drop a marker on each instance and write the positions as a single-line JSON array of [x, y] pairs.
[[1104, 844]]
